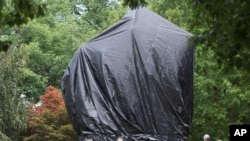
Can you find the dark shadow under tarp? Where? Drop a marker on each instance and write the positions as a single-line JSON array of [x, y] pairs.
[[134, 80]]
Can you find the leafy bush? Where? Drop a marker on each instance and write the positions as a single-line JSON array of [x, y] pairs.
[[49, 120]]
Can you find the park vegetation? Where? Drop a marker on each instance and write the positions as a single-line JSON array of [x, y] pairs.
[[39, 37]]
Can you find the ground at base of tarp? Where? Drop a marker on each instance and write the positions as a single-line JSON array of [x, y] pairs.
[[119, 139]]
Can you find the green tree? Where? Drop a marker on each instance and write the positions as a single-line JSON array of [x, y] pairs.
[[53, 39], [14, 105], [3, 137], [97, 14], [42, 48], [222, 82], [219, 97], [177, 11], [50, 41], [226, 29], [17, 12], [134, 3]]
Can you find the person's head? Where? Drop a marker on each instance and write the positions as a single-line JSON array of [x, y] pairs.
[[206, 137]]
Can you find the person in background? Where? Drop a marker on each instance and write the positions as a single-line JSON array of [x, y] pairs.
[[206, 137]]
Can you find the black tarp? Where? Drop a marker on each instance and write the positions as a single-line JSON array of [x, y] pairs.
[[134, 80]]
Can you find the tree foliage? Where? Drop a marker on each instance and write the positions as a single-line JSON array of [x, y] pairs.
[[177, 11], [42, 48], [222, 82], [49, 121], [13, 104], [226, 29], [134, 3], [97, 14], [3, 137], [18, 12], [52, 40], [220, 97]]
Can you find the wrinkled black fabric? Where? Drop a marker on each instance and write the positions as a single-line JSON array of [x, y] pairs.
[[134, 80]]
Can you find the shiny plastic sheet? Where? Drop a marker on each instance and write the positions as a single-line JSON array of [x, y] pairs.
[[134, 80]]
